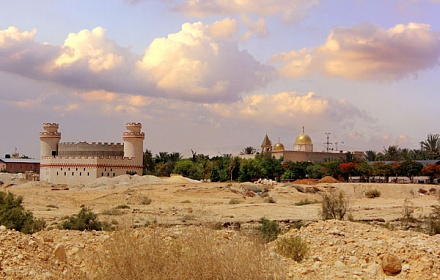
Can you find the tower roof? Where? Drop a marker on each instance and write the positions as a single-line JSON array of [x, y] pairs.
[[266, 142]]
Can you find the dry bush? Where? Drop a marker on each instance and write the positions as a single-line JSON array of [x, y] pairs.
[[195, 253], [234, 201], [334, 206], [293, 247], [372, 193], [306, 202]]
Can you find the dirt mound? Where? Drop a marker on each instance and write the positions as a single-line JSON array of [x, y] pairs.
[[305, 182], [328, 179]]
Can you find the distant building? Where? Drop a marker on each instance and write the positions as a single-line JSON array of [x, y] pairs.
[[302, 150], [19, 165], [82, 162]]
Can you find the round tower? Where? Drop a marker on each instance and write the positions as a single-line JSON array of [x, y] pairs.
[[134, 142], [49, 140]]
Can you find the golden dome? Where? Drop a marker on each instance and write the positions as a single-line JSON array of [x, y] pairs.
[[303, 139], [278, 147]]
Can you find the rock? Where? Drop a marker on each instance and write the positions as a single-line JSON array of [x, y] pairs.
[[2, 228], [391, 264], [60, 253]]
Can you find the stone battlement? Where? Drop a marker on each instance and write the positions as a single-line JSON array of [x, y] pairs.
[[92, 144], [88, 157]]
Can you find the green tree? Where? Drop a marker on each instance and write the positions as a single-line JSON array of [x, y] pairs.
[[14, 216], [431, 146], [364, 171], [148, 162], [84, 220], [188, 168], [251, 169], [295, 170], [410, 169], [370, 155], [248, 151], [392, 153]]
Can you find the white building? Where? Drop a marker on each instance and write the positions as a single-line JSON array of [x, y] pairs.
[[82, 162]]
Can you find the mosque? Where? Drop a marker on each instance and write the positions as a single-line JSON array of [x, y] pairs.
[[82, 162], [302, 150]]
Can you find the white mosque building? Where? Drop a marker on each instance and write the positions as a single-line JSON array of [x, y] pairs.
[[302, 150], [82, 162]]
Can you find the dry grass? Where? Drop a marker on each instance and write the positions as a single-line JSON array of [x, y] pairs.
[[195, 253]]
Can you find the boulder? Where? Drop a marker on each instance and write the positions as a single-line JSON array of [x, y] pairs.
[[391, 264]]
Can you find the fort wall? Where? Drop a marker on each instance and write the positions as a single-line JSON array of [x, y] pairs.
[[90, 149]]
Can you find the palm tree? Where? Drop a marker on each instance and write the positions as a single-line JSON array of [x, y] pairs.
[[370, 155], [175, 156], [248, 151], [393, 152], [162, 157], [431, 145]]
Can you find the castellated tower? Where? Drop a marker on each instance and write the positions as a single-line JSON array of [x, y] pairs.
[[49, 140], [134, 142]]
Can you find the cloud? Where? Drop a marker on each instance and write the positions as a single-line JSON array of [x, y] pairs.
[[367, 52], [20, 54], [290, 109], [195, 64], [201, 63], [288, 10]]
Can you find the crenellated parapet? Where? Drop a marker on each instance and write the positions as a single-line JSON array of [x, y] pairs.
[[50, 131], [133, 131]]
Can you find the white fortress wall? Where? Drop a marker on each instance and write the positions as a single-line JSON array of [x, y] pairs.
[[80, 170]]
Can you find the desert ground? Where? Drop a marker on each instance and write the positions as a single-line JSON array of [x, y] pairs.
[[338, 249]]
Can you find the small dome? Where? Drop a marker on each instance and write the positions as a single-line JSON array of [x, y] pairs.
[[278, 147], [303, 139]]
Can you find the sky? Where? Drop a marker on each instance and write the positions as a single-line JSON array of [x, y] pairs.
[[216, 76]]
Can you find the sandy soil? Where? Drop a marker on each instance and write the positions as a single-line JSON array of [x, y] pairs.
[[178, 200]]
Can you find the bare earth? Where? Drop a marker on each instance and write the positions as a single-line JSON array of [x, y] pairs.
[[177, 202]]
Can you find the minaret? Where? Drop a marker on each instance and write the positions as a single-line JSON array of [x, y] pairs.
[[134, 142], [266, 146], [49, 140]]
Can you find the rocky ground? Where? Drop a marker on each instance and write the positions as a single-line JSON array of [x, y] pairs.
[[337, 249]]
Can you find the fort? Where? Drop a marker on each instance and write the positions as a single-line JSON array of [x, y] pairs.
[[82, 162]]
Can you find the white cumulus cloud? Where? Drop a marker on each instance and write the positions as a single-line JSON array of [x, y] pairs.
[[290, 109], [367, 52], [201, 63]]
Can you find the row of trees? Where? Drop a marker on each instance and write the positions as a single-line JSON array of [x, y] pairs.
[[429, 150], [229, 168]]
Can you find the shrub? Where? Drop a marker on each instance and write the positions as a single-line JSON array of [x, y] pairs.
[[408, 211], [234, 201], [195, 254], [372, 193], [84, 220], [112, 212], [334, 206], [122, 207], [293, 247], [305, 202], [269, 199], [14, 216], [269, 230], [434, 221], [146, 200]]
